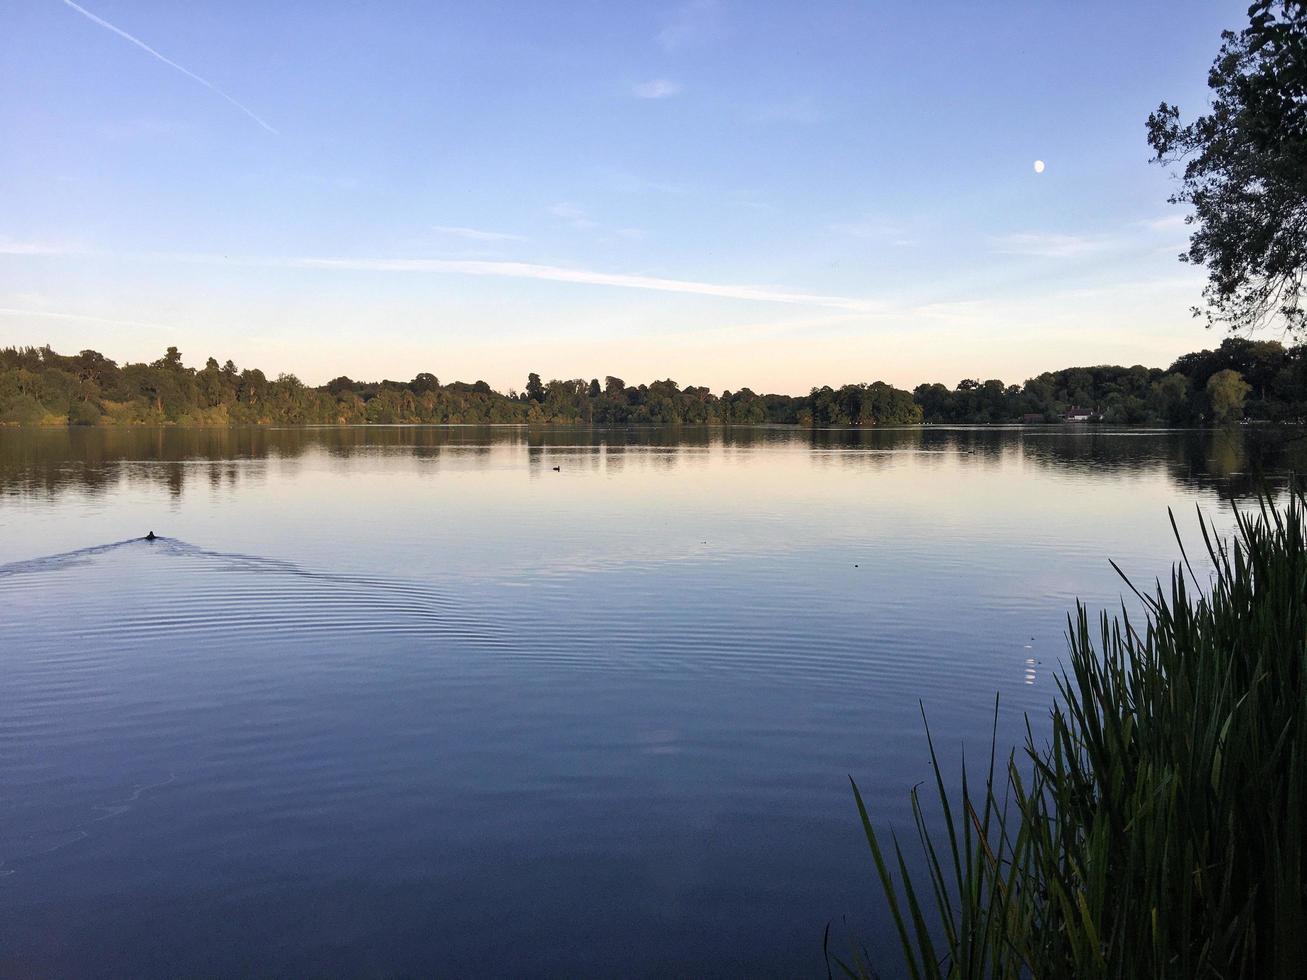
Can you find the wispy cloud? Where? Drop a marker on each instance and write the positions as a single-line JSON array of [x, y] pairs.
[[657, 88], [758, 330], [957, 312], [477, 234], [168, 61], [553, 273], [1170, 222], [81, 317], [690, 24], [1049, 245], [1132, 288], [873, 229], [574, 214], [8, 247]]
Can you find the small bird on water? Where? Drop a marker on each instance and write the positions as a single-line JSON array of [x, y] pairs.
[[150, 537], [558, 469]]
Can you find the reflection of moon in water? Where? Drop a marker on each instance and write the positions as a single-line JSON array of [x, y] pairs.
[[1039, 166]]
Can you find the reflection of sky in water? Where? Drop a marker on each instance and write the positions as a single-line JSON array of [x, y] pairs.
[[386, 698], [486, 503]]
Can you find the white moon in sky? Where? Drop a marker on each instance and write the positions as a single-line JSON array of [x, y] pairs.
[[1039, 166]]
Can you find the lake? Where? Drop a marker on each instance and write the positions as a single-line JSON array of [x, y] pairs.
[[497, 701]]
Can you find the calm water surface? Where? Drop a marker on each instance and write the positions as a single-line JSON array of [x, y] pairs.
[[408, 701]]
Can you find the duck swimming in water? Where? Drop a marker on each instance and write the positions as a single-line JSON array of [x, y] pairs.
[[150, 536]]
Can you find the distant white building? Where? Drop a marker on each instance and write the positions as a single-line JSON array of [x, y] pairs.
[[1077, 415]]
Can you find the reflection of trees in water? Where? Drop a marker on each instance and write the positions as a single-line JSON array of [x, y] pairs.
[[1232, 462]]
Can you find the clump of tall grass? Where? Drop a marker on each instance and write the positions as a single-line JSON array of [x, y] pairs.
[[1158, 829]]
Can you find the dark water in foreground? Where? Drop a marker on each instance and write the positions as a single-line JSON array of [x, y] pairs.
[[406, 700]]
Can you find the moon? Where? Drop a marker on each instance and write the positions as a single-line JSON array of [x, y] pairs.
[[1039, 166]]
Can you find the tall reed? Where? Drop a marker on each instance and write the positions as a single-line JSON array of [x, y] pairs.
[[1158, 829]]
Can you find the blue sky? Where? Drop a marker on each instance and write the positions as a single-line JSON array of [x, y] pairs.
[[726, 193]]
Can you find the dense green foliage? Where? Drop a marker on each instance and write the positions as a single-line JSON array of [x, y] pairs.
[[1245, 170], [1260, 380], [1265, 381], [39, 386], [1161, 831]]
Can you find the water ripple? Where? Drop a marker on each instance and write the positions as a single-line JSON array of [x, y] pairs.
[[169, 587]]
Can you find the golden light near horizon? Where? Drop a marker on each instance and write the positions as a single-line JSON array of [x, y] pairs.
[[1039, 166]]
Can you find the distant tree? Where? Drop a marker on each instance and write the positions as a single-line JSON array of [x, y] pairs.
[[423, 383], [1245, 171], [171, 360], [936, 401], [251, 386], [95, 367], [213, 388], [83, 413], [1241, 378], [595, 390], [1226, 391], [1168, 400], [535, 391]]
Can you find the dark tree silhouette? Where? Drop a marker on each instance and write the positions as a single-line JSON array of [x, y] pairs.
[[535, 391], [1245, 171], [1262, 380]]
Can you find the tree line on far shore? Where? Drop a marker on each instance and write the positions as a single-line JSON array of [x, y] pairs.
[[1241, 379]]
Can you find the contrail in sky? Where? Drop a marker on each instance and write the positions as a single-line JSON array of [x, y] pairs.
[[52, 315], [530, 270], [510, 270], [168, 61]]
